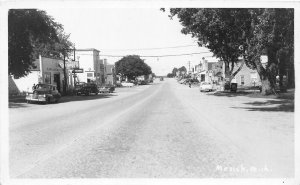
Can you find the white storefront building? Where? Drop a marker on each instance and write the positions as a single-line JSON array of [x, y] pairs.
[[48, 70]]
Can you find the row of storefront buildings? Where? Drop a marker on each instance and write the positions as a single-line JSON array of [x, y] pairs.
[[84, 65]]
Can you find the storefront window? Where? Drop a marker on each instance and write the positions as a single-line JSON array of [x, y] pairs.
[[242, 80]]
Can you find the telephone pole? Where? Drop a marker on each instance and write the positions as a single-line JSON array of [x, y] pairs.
[[65, 76]]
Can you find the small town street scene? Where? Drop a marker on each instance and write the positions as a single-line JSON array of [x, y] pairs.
[[154, 93]]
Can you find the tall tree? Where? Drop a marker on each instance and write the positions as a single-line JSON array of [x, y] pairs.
[[231, 33], [31, 31], [174, 71], [132, 66], [182, 69], [272, 32], [220, 30]]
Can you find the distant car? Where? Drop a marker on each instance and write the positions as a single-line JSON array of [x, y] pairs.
[[88, 89], [205, 86], [142, 82], [45, 93], [127, 84], [161, 78], [107, 89]]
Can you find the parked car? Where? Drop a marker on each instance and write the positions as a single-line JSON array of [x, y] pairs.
[[88, 89], [205, 86], [142, 82], [78, 86], [107, 89], [45, 93], [127, 84]]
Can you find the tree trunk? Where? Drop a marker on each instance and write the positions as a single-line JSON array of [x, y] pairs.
[[232, 75], [266, 87], [267, 84]]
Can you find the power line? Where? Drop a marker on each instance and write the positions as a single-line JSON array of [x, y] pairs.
[[147, 56], [156, 56], [182, 46]]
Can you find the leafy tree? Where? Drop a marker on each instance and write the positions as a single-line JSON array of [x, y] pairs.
[[231, 33], [272, 32], [182, 69], [132, 66], [31, 31], [170, 75], [174, 71], [218, 29]]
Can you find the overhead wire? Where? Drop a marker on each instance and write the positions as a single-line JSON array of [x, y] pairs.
[[153, 56], [169, 47]]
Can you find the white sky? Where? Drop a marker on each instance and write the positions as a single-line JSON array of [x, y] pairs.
[[125, 31]]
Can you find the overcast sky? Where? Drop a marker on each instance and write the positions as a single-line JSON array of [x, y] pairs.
[[125, 31]]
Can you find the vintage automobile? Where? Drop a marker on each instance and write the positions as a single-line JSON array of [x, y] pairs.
[[45, 93], [107, 89], [127, 84], [87, 89], [205, 86], [78, 86]]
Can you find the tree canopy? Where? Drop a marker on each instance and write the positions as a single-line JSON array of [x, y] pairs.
[[132, 66], [232, 32], [32, 32]]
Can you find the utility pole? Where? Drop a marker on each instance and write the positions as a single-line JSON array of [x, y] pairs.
[[65, 76]]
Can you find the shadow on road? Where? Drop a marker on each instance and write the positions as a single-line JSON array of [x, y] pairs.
[[270, 105], [256, 94], [85, 98], [17, 104], [21, 102]]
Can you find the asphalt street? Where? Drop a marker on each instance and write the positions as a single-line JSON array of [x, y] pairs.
[[162, 130]]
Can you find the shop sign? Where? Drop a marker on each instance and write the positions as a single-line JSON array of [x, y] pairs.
[[77, 71]]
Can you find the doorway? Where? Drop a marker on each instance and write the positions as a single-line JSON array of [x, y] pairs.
[[57, 81]]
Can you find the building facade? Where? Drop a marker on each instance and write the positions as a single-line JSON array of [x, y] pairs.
[[90, 63], [246, 76], [110, 74], [47, 70]]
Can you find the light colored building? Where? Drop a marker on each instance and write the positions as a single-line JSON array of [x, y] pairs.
[[90, 63], [246, 76], [48, 70], [110, 74]]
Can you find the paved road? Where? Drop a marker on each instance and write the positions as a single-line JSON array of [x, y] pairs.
[[164, 130]]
